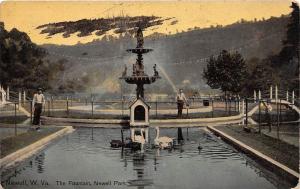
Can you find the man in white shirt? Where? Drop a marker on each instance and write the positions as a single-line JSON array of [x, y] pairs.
[[181, 100], [38, 102]]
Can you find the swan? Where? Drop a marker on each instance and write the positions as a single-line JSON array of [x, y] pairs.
[[139, 138], [164, 141]]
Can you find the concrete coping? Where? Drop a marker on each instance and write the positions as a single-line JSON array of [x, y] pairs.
[[20, 155], [292, 175], [154, 121]]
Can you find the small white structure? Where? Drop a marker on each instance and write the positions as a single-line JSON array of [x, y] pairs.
[[139, 122], [2, 95], [139, 113], [7, 93], [24, 96], [20, 98]]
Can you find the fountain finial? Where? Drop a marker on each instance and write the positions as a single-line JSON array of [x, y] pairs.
[[140, 38]]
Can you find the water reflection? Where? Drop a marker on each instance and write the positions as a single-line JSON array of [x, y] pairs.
[[39, 162], [86, 154]]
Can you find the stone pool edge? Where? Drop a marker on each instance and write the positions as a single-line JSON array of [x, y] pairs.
[[269, 162], [160, 122], [20, 155]]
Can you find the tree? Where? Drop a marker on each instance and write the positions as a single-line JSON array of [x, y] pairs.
[[226, 72], [261, 75], [291, 43], [21, 61], [23, 64], [287, 61]]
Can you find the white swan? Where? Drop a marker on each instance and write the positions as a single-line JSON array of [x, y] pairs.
[[138, 138], [164, 141], [141, 139]]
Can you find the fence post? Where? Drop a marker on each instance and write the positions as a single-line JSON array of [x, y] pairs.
[[254, 95], [226, 104], [15, 120], [212, 107], [48, 107], [239, 105], [187, 112], [259, 116], [293, 97], [31, 112], [235, 104], [276, 92], [7, 93], [271, 92], [24, 97], [92, 108], [67, 106], [277, 107], [20, 98], [230, 100], [122, 106], [243, 107], [287, 95], [269, 119], [246, 112], [156, 108], [280, 118], [51, 104]]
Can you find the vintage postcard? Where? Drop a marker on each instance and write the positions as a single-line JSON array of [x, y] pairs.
[[199, 94]]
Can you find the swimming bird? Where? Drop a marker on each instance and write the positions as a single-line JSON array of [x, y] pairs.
[[162, 142]]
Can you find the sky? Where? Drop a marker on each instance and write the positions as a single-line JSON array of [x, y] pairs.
[[27, 15]]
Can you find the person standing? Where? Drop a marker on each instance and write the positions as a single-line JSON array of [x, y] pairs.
[[181, 100], [38, 103]]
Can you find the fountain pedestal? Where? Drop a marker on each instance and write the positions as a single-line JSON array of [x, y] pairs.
[[138, 76], [139, 109]]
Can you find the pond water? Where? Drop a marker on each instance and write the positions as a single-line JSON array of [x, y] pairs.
[[84, 159]]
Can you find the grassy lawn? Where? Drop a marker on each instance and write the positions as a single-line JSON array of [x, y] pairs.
[[11, 119], [278, 150], [14, 143], [289, 115]]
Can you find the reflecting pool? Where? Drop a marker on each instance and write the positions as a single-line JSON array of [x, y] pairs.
[[84, 159]]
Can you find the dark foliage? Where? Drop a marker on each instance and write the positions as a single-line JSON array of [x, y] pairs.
[[260, 76], [23, 65], [291, 43], [226, 72], [287, 61], [22, 62], [282, 68]]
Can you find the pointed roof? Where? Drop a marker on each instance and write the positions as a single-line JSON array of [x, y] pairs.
[[141, 99]]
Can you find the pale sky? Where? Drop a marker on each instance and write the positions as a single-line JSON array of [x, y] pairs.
[[27, 15]]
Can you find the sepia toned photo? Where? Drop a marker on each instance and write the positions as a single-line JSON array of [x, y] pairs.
[[198, 94]]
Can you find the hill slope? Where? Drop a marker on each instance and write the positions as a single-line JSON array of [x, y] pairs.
[[181, 55]]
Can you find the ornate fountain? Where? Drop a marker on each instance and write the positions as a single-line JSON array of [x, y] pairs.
[[139, 77]]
